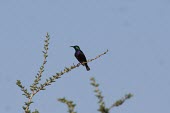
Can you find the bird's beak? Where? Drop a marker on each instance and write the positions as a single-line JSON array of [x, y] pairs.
[[71, 46]]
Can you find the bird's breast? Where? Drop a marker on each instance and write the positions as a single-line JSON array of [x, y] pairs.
[[77, 53]]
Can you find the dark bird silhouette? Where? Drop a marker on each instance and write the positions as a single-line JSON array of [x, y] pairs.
[[80, 56]]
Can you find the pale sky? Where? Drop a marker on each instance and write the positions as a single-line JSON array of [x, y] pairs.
[[136, 33]]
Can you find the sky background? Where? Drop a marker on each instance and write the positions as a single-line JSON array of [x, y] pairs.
[[136, 33]]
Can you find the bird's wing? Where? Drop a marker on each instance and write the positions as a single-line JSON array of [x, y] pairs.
[[81, 57]]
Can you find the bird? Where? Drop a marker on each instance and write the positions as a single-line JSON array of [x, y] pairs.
[[80, 56]]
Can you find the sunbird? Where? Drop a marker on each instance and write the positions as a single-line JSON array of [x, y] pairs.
[[80, 56]]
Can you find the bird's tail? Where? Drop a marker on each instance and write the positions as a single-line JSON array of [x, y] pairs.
[[87, 67]]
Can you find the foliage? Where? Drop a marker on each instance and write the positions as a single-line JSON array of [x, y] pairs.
[[100, 97], [36, 87], [102, 107], [69, 104]]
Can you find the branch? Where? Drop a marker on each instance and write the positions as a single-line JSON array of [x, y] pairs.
[[66, 70], [121, 101], [102, 107], [34, 87], [69, 104]]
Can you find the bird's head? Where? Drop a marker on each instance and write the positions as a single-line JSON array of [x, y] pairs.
[[76, 47]]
